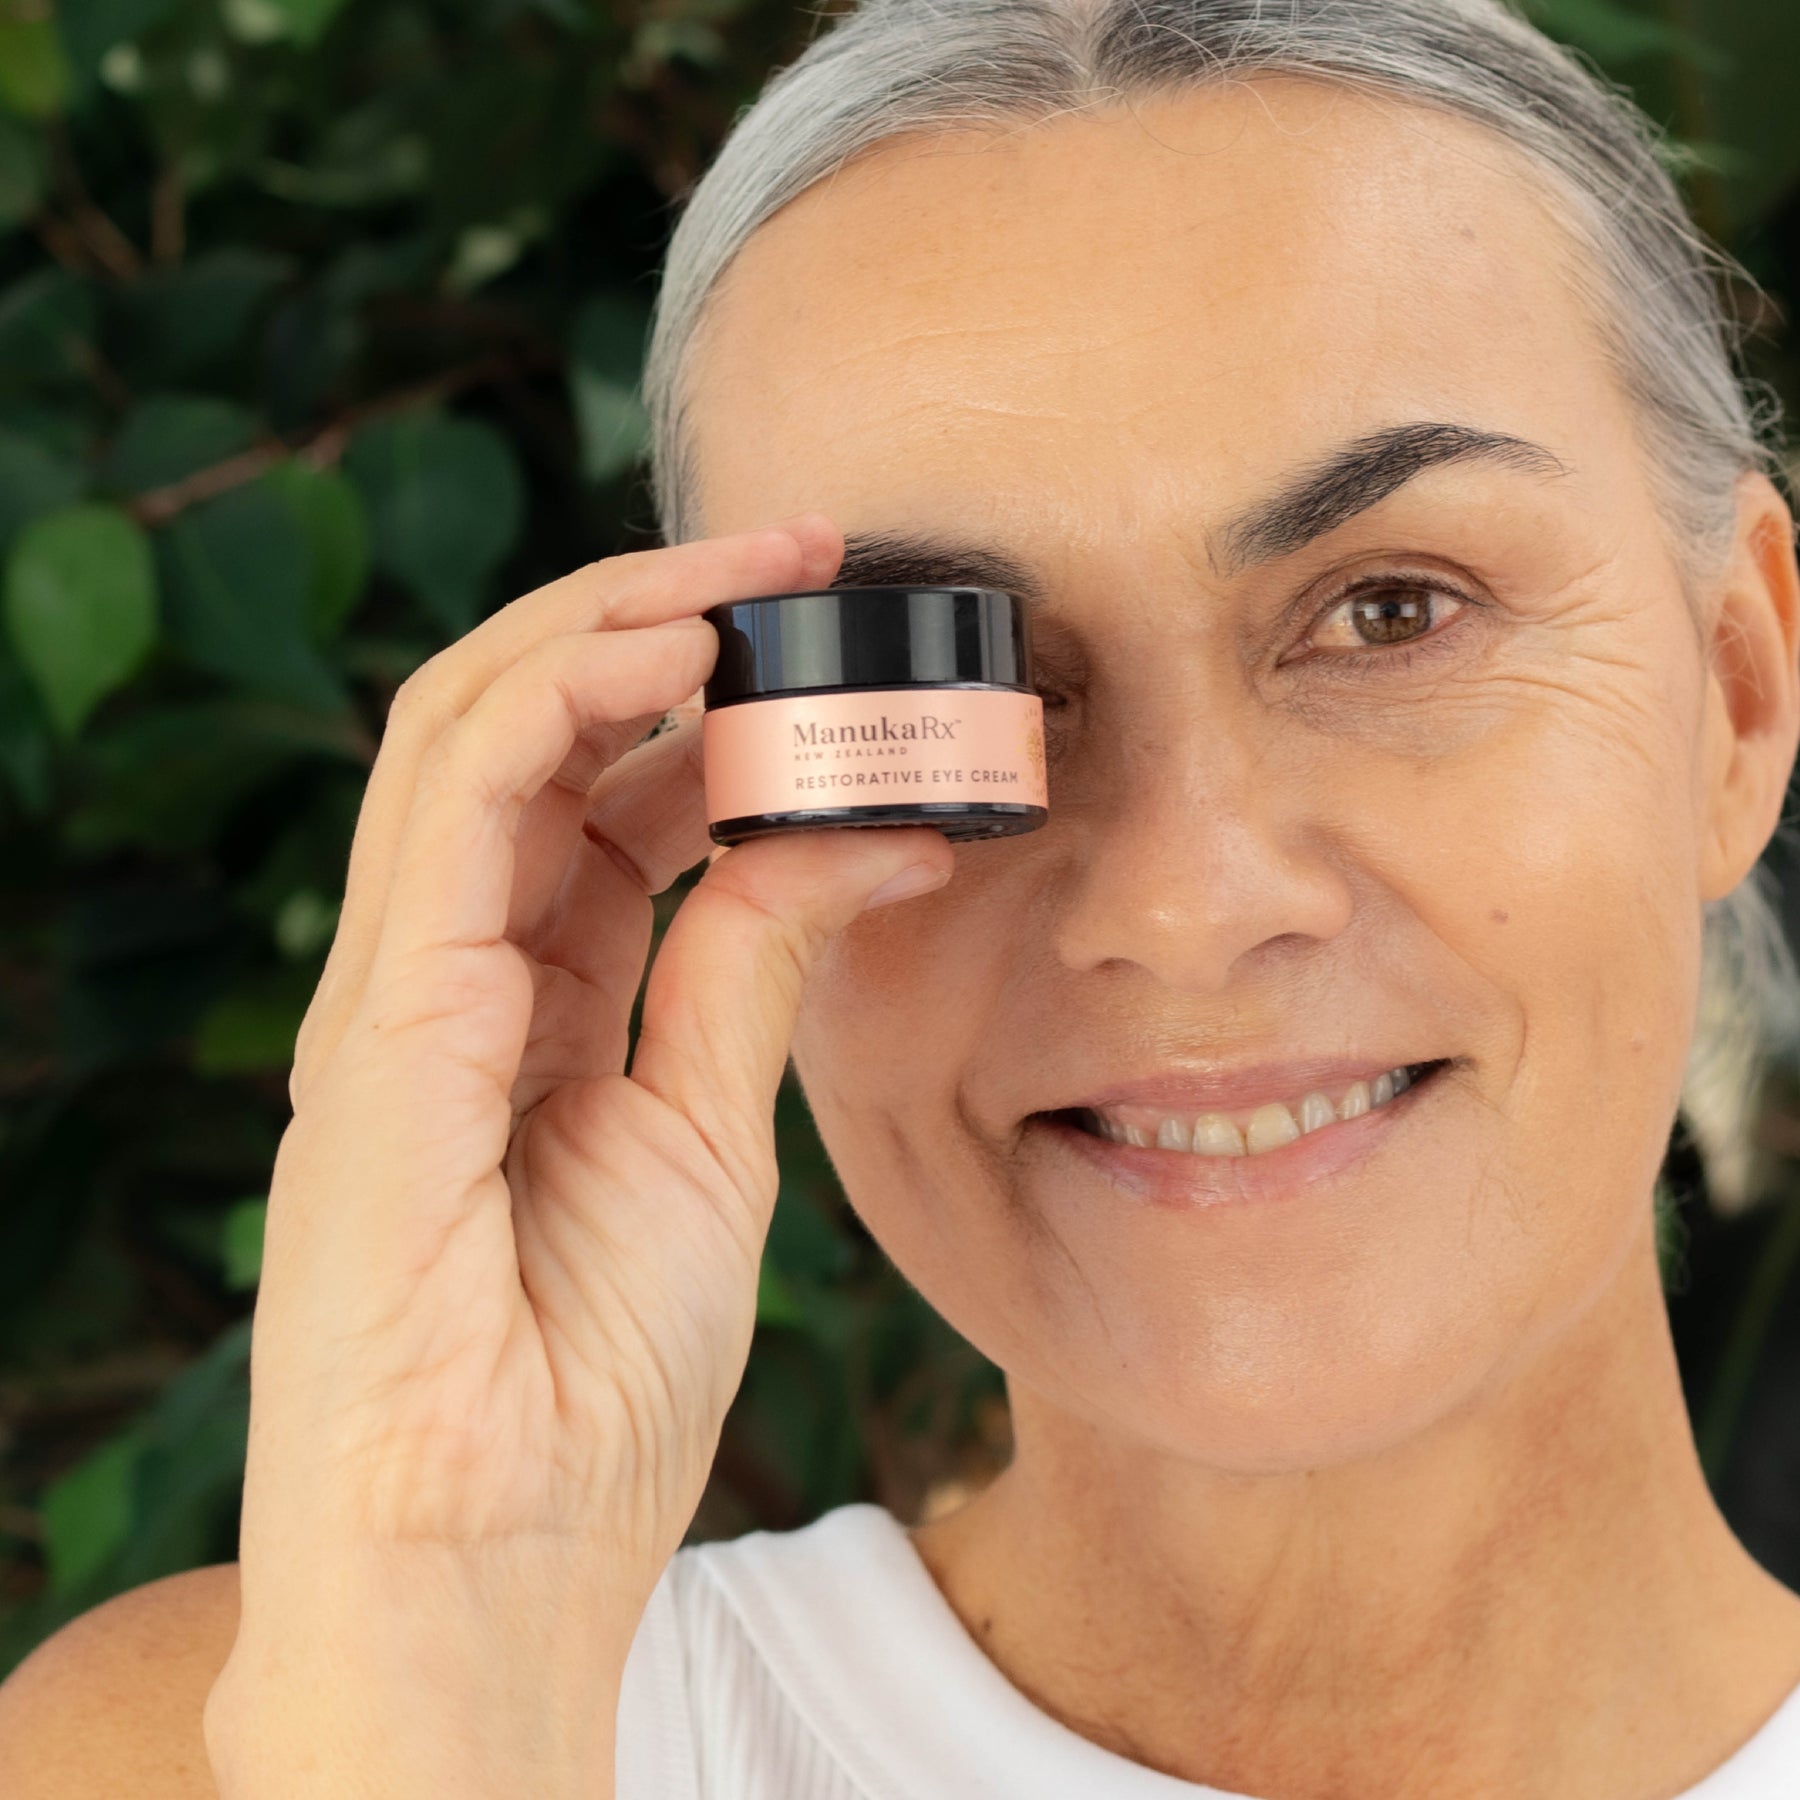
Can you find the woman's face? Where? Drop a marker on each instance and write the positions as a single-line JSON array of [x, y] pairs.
[[1458, 814]]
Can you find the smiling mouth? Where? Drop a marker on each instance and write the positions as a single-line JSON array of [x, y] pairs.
[[1251, 1132]]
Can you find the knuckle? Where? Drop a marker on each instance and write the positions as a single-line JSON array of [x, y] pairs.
[[794, 941], [454, 748], [313, 1041], [623, 564], [305, 1066], [419, 706]]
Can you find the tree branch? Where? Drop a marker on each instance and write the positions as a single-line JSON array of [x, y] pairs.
[[322, 448]]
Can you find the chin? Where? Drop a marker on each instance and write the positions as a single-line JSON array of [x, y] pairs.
[[1206, 1391]]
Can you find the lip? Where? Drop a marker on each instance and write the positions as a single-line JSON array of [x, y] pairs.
[[1199, 1091], [1179, 1178]]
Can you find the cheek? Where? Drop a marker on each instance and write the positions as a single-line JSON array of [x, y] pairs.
[[899, 998], [1554, 854], [900, 1008]]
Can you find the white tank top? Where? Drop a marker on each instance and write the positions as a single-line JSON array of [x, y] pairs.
[[824, 1664]]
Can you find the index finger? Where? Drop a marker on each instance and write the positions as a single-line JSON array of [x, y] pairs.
[[637, 588], [642, 587]]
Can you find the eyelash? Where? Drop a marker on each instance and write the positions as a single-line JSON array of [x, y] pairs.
[[1359, 661]]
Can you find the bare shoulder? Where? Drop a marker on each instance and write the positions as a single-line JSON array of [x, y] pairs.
[[112, 1703]]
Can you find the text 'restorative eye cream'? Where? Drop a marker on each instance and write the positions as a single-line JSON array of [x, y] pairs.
[[873, 706]]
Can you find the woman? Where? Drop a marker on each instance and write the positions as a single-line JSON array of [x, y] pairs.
[[1418, 630]]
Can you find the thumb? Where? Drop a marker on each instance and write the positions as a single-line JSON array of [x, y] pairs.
[[724, 990]]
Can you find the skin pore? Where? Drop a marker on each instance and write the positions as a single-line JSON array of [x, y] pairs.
[[1382, 1485]]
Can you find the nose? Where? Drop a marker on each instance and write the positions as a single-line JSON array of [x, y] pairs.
[[1199, 856]]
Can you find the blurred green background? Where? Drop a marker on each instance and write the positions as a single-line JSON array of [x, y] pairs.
[[320, 328]]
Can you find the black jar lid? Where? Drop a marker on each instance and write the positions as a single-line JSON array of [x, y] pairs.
[[856, 637]]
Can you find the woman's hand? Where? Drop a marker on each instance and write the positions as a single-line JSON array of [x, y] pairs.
[[508, 1289]]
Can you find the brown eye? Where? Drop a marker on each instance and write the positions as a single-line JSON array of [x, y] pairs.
[[1377, 617]]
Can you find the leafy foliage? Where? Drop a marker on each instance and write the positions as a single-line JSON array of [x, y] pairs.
[[320, 332]]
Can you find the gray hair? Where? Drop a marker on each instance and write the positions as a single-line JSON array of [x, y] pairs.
[[1654, 284]]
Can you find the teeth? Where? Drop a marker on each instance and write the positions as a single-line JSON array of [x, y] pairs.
[[1270, 1127], [1171, 1134], [1316, 1110], [1215, 1135]]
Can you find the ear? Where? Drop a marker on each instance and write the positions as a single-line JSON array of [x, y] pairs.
[[1752, 723]]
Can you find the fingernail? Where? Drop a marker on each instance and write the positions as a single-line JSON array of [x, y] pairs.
[[918, 878]]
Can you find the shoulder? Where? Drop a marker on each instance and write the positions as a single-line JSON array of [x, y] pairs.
[[111, 1704]]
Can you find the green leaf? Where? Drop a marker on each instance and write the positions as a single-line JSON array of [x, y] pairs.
[[776, 1303], [24, 172], [237, 574], [47, 323], [336, 523], [169, 778], [307, 20], [87, 1514], [304, 923], [159, 1497], [369, 154], [34, 72], [241, 1242], [212, 1384], [191, 1474], [253, 1028], [24, 742], [802, 1242], [659, 41], [606, 345], [1615, 34], [484, 252], [570, 14], [1745, 94], [33, 480], [513, 140], [170, 436], [81, 607], [64, 425], [447, 501], [138, 960], [90, 28], [177, 325]]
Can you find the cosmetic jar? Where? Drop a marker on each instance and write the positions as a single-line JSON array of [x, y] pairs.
[[873, 706]]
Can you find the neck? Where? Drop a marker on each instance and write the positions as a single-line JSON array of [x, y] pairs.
[[1536, 1595]]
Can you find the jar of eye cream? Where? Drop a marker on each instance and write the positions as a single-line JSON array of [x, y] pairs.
[[873, 706]]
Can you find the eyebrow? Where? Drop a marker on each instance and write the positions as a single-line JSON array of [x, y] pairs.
[[917, 559], [1323, 496], [1354, 477]]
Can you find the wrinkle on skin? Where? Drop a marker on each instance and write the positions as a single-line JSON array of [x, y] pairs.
[[1273, 1461]]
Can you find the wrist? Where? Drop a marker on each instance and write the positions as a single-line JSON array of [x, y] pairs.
[[418, 1688], [361, 1734]]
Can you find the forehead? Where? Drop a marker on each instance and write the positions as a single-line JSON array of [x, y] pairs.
[[1184, 294]]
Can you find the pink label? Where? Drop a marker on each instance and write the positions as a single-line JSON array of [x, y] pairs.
[[873, 747]]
